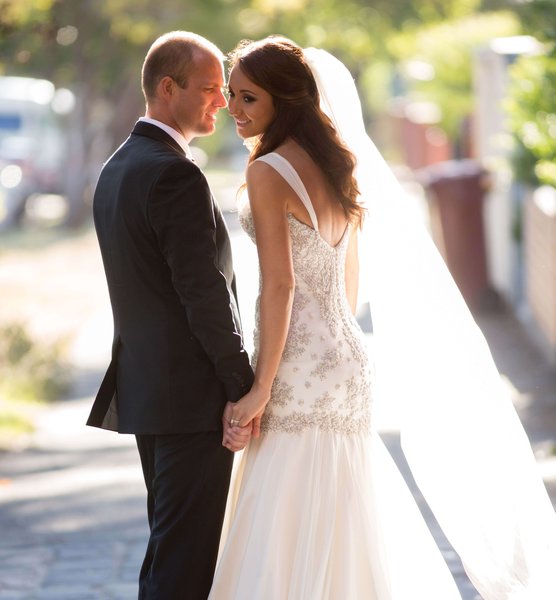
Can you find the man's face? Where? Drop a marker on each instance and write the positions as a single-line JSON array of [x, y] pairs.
[[193, 108]]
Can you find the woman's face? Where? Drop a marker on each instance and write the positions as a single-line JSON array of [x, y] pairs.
[[250, 105]]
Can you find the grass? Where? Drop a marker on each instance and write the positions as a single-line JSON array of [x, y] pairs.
[[31, 374], [12, 423], [38, 238], [15, 423], [52, 281]]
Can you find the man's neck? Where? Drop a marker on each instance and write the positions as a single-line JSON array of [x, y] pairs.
[[171, 131]]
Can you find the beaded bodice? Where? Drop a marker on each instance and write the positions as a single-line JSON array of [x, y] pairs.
[[323, 380]]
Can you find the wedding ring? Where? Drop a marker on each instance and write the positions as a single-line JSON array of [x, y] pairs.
[[234, 422]]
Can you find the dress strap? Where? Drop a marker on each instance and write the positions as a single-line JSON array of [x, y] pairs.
[[286, 170]]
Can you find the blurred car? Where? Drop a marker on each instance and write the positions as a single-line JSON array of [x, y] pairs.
[[32, 145]]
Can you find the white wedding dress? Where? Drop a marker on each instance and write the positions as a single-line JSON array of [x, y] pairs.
[[320, 511]]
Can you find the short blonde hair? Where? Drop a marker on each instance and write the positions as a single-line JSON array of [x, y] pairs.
[[172, 54]]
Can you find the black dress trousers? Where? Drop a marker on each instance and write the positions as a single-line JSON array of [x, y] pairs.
[[187, 478]]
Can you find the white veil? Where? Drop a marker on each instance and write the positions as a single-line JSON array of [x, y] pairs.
[[460, 433]]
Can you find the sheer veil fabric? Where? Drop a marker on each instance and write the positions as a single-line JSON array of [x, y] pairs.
[[460, 433]]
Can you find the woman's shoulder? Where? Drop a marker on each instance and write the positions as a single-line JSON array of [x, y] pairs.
[[265, 170], [266, 187], [268, 181], [259, 169], [290, 153], [290, 150]]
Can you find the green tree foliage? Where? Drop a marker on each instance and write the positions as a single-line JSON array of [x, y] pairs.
[[532, 106], [95, 47], [539, 19], [532, 116], [100, 43], [355, 29], [30, 370], [437, 61]]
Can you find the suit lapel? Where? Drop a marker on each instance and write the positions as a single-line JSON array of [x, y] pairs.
[[155, 133]]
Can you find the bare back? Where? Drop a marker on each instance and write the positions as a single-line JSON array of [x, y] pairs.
[[330, 215]]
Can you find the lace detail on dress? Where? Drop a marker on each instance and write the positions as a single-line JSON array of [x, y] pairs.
[[246, 220], [328, 361], [299, 335], [281, 392], [323, 380], [296, 422]]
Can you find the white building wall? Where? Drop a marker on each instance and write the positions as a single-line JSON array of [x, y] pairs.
[[492, 147]]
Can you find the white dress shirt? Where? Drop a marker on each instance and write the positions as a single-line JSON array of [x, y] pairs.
[[176, 135]]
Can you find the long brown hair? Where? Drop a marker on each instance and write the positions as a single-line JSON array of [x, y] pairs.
[[277, 65]]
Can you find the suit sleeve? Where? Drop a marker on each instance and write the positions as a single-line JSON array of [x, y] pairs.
[[181, 213]]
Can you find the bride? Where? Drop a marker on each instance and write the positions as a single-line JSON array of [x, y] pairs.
[[321, 512]]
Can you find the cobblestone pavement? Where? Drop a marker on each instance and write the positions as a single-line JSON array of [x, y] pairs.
[[72, 503], [72, 512]]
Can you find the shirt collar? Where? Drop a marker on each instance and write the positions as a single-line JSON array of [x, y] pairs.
[[176, 135]]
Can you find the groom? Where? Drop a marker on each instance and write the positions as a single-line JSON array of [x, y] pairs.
[[177, 357]]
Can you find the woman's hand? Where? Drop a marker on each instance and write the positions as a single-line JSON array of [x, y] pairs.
[[250, 409], [234, 438]]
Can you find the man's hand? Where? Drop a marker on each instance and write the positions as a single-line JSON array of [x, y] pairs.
[[235, 438]]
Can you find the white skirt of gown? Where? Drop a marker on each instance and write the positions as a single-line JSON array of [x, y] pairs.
[[338, 524]]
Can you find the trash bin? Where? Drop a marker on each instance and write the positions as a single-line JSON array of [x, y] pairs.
[[456, 190]]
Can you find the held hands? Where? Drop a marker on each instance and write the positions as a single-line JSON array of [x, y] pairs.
[[243, 419], [250, 408], [235, 438]]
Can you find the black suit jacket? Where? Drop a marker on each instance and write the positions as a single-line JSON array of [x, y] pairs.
[[177, 354]]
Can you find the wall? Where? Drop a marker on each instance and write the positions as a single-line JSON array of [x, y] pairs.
[[540, 261]]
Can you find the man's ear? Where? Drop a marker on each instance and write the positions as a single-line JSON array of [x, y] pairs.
[[165, 87]]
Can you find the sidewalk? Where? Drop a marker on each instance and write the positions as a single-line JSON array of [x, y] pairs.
[[533, 383], [72, 505], [72, 511]]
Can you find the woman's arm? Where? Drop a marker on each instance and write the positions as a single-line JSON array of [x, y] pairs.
[[268, 200]]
